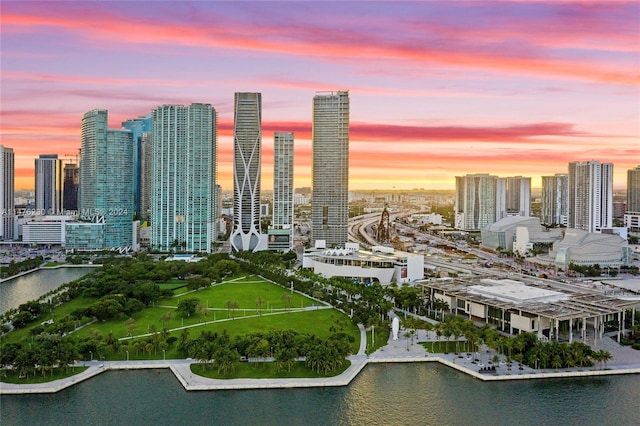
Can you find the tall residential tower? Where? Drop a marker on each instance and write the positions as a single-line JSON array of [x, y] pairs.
[[184, 163], [590, 195], [281, 232], [554, 199], [330, 167], [247, 155], [106, 178]]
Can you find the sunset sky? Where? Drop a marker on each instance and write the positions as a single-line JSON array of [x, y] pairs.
[[437, 89]]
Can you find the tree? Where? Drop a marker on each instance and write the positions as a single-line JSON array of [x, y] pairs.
[[187, 307], [225, 358]]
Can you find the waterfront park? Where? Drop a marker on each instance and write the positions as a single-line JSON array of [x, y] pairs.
[[253, 317], [212, 311]]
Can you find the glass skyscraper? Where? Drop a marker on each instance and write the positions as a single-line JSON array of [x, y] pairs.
[[330, 167], [138, 126], [247, 155], [183, 183], [106, 178]]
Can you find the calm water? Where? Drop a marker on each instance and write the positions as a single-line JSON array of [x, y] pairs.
[[391, 394], [28, 287]]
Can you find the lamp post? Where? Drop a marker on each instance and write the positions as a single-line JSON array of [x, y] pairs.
[[91, 354], [127, 355], [164, 357]]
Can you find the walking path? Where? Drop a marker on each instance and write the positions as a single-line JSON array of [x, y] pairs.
[[625, 361]]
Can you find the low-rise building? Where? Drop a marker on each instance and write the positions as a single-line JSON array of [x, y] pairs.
[[514, 307], [585, 248], [381, 264]]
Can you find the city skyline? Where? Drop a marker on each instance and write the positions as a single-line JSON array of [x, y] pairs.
[[437, 89]]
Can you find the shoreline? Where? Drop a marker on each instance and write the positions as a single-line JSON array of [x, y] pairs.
[[192, 382], [39, 268]]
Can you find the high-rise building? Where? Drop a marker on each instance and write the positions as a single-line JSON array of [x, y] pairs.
[[70, 186], [554, 199], [183, 169], [49, 184], [7, 170], [281, 234], [479, 201], [330, 167], [247, 154], [633, 190], [590, 195], [518, 196], [106, 178], [138, 127]]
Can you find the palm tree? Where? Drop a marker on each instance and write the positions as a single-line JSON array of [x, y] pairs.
[[556, 362], [259, 303]]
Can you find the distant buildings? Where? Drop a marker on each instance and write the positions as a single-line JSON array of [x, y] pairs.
[[106, 181], [478, 198], [632, 214], [555, 190], [183, 168], [70, 187], [247, 155], [330, 167], [49, 180], [518, 196], [281, 232], [590, 199], [7, 171]]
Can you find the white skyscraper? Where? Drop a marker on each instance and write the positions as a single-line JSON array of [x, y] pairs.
[[590, 195], [183, 195], [281, 233], [330, 146], [554, 199], [247, 155], [6, 193], [49, 178], [480, 201]]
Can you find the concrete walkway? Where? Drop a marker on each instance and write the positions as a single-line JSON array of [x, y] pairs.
[[401, 350]]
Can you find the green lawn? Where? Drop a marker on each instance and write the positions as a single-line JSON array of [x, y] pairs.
[[246, 292], [11, 376], [267, 370], [315, 322]]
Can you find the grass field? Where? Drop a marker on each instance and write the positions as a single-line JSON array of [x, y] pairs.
[[274, 312]]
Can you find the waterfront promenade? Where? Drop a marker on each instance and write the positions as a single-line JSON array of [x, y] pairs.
[[625, 361]]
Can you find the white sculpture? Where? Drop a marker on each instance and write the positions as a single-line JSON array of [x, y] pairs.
[[395, 326]]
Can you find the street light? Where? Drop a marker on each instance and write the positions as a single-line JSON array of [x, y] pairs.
[[164, 357], [91, 354], [127, 355]]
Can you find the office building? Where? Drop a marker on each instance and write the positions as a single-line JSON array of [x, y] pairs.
[[145, 175], [554, 199], [183, 197], [247, 155], [106, 179], [590, 195], [7, 214], [70, 187], [330, 167], [48, 184], [281, 232]]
